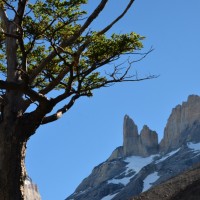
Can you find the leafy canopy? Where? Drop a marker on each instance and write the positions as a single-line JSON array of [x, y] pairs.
[[57, 48]]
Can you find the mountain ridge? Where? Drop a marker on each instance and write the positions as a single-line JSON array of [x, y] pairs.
[[141, 162]]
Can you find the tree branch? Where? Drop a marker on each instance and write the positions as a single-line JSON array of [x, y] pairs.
[[55, 82], [60, 76], [69, 41], [9, 35], [87, 42], [61, 111], [20, 12], [24, 88], [3, 16], [118, 18], [10, 7]]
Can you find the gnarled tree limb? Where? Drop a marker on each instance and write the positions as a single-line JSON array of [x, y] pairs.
[[61, 111]]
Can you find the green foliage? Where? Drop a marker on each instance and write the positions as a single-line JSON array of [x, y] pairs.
[[103, 48], [46, 25]]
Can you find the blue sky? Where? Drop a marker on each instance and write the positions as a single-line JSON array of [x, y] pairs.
[[61, 154]]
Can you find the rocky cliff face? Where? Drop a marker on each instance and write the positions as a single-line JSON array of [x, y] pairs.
[[130, 137], [143, 144], [149, 141], [31, 190], [142, 162], [183, 125]]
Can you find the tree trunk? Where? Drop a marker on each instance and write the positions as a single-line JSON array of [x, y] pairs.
[[12, 142], [12, 167], [15, 125]]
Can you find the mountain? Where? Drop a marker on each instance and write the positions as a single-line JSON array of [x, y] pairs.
[[141, 162], [31, 190], [182, 187]]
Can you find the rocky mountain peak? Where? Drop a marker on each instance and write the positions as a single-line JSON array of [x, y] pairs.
[[143, 144], [130, 137], [141, 162], [183, 125], [149, 140]]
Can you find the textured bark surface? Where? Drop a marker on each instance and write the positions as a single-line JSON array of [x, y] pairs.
[[12, 168], [12, 143]]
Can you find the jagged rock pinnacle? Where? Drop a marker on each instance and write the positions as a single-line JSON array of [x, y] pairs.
[[149, 141], [183, 126], [130, 137], [143, 145]]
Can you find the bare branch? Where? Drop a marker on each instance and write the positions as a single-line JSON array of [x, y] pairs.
[[61, 97], [117, 19], [143, 55], [9, 6], [123, 78], [61, 111]]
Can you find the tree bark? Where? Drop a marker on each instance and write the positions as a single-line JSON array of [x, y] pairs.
[[12, 141], [12, 166]]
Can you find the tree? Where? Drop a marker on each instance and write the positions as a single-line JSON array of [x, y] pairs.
[[46, 46]]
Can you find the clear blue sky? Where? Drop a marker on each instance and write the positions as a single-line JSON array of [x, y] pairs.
[[61, 154]]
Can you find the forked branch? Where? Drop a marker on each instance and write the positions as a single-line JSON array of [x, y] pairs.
[[35, 96], [61, 111]]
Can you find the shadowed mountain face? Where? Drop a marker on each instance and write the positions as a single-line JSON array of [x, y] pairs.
[[142, 162], [183, 187]]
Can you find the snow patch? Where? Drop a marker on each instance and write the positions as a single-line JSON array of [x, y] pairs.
[[151, 178], [195, 147], [167, 156], [136, 163], [109, 197], [123, 181]]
